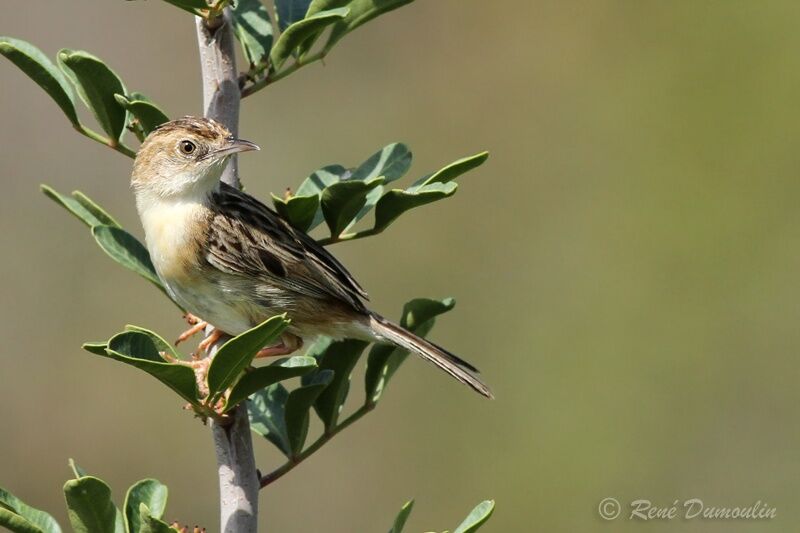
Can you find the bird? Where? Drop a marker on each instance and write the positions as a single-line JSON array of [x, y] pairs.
[[225, 256]]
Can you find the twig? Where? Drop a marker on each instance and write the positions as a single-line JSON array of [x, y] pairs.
[[93, 135], [324, 438], [269, 79]]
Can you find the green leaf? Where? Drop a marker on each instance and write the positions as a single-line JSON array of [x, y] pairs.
[[81, 208], [237, 354], [97, 84], [31, 518], [41, 70], [361, 11], [261, 378], [418, 317], [97, 212], [266, 411], [139, 349], [195, 7], [151, 494], [301, 30], [298, 405], [319, 179], [147, 115], [290, 11], [315, 7], [126, 250], [90, 507], [323, 5], [339, 357], [15, 523], [161, 344], [390, 162], [477, 517], [402, 517], [316, 183], [151, 524], [396, 202], [299, 211], [451, 171], [253, 28], [343, 200]]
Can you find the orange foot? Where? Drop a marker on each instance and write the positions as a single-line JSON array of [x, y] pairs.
[[207, 343], [289, 343], [197, 326]]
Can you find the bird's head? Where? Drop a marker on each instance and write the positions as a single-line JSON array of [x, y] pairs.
[[184, 158]]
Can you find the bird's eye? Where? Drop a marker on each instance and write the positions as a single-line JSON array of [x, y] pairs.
[[187, 147]]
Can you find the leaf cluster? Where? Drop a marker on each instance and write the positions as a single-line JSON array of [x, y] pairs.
[[341, 197], [100, 89], [91, 509]]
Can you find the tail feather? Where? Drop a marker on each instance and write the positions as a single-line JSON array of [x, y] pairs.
[[452, 364]]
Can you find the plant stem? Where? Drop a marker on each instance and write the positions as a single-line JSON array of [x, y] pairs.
[[238, 477], [267, 80], [323, 439], [93, 135]]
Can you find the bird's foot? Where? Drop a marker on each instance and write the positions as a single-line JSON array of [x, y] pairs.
[[289, 344], [198, 326], [207, 343]]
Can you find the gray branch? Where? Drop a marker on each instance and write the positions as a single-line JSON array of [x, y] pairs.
[[221, 95], [238, 478]]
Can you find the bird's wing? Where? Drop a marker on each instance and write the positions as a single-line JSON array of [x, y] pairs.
[[248, 238]]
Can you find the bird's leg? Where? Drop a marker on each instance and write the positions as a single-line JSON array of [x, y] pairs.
[[206, 343], [289, 343], [197, 324]]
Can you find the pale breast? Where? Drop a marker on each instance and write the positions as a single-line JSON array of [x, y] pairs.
[[173, 233]]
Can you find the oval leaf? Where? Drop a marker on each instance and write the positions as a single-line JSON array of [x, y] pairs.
[[97, 84], [147, 115], [148, 492], [253, 28], [452, 171], [299, 211], [97, 212], [343, 200], [479, 515], [361, 11], [14, 522], [267, 418], [390, 162], [340, 358], [402, 517], [237, 354], [126, 250], [90, 507], [37, 520], [301, 30], [298, 405], [138, 349], [40, 69], [290, 11], [74, 206], [265, 376], [396, 202]]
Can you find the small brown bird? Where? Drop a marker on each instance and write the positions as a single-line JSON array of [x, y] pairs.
[[226, 257]]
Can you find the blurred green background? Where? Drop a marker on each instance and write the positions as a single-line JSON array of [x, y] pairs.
[[625, 263]]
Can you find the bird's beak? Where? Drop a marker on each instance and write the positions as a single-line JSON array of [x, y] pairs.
[[234, 146]]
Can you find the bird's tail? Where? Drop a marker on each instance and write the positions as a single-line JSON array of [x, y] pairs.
[[452, 364]]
